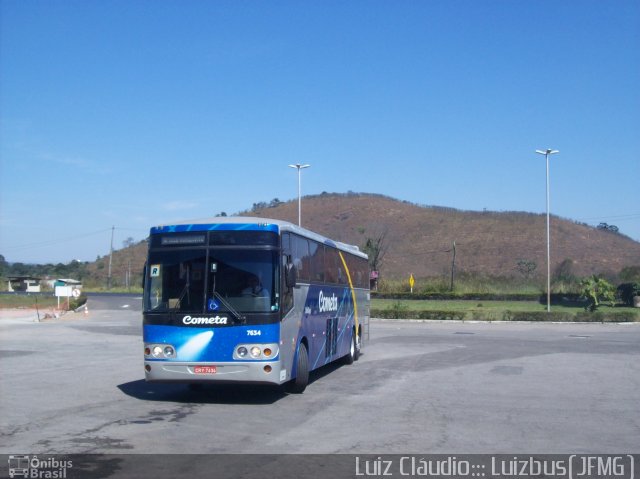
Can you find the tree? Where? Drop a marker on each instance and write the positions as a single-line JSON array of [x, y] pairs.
[[597, 290], [627, 291], [630, 274], [564, 271], [60, 270], [259, 206], [526, 267], [19, 269], [128, 243], [4, 266], [607, 227], [376, 248]]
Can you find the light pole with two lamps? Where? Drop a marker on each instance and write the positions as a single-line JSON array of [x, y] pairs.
[[299, 167]]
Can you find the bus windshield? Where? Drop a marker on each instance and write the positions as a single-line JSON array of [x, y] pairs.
[[197, 281]]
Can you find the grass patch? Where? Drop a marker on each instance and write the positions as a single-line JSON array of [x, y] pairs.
[[28, 301], [15, 301], [114, 290]]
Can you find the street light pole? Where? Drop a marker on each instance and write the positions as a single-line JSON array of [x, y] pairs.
[[299, 167], [547, 153], [110, 259]]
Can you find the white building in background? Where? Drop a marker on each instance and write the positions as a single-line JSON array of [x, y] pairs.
[[23, 284]]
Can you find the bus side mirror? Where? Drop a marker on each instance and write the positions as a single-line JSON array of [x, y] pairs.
[[144, 275], [291, 276]]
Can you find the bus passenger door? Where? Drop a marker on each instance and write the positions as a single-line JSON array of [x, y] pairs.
[[289, 329], [285, 261]]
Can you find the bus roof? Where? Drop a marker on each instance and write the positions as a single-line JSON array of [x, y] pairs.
[[242, 222]]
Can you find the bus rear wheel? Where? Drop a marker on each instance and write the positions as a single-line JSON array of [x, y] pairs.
[[354, 349], [299, 383]]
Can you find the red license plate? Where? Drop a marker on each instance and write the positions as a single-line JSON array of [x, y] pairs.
[[204, 369]]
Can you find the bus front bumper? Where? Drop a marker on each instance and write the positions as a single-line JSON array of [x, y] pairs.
[[250, 372]]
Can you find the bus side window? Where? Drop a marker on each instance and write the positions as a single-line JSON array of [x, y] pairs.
[[342, 272], [331, 268], [357, 268], [301, 258], [316, 252]]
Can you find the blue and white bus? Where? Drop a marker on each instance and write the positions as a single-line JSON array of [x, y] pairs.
[[254, 300]]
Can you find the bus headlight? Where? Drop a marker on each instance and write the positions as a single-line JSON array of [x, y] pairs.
[[169, 352], [256, 351], [159, 351]]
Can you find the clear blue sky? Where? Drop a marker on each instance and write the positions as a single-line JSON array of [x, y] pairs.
[[137, 113]]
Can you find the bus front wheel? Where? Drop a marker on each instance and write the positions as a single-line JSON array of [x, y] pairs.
[[299, 383]]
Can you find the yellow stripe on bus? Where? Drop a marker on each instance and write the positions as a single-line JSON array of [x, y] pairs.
[[353, 293]]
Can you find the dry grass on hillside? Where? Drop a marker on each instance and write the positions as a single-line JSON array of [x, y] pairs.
[[421, 238]]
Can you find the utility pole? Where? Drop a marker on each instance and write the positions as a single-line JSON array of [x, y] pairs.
[[453, 264], [110, 259]]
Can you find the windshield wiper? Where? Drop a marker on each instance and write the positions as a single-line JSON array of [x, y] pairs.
[[239, 317], [185, 291]]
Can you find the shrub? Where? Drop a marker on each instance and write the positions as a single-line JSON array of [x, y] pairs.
[[627, 291], [442, 315], [554, 316], [596, 290], [608, 317], [534, 316], [75, 303], [622, 317], [403, 312], [399, 310]]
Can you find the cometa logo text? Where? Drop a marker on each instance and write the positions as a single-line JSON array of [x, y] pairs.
[[326, 303], [204, 320]]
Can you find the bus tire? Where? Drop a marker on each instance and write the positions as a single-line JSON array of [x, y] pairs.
[[353, 353], [356, 346], [299, 383]]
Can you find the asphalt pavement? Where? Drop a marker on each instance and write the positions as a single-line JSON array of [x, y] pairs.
[[76, 385], [114, 302]]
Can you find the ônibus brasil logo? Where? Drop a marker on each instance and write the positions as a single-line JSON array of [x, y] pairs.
[[188, 320], [32, 466]]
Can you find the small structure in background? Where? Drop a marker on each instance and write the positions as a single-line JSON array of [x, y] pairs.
[[74, 283], [373, 280], [23, 284], [67, 288]]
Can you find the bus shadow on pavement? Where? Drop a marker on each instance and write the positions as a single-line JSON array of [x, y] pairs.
[[216, 393], [250, 394]]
